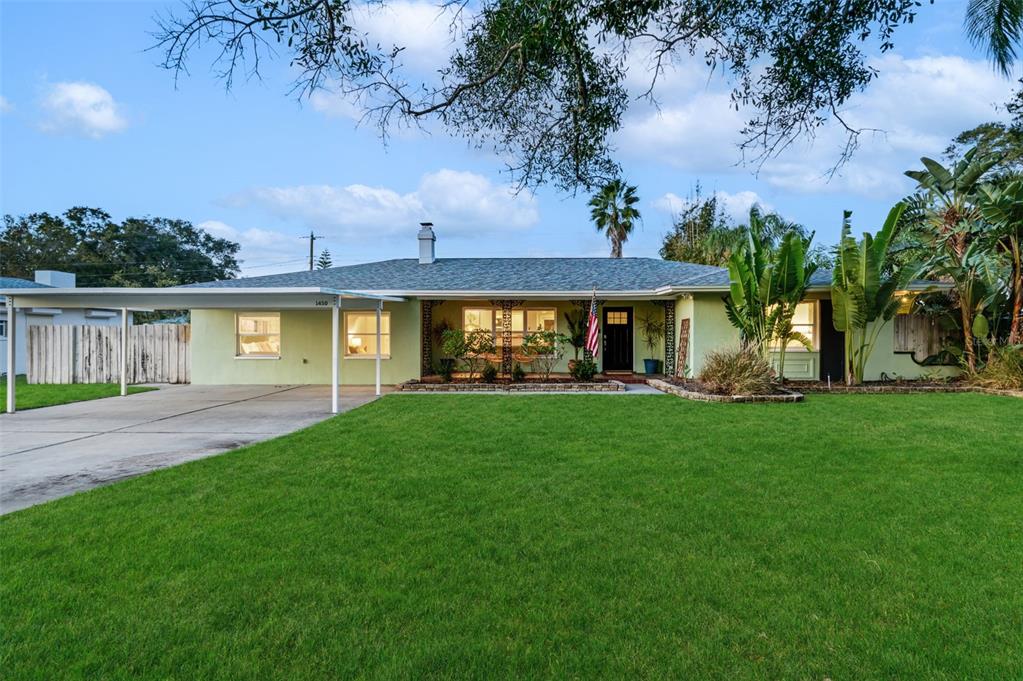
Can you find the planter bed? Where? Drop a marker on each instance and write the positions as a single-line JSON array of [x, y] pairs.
[[553, 386], [903, 388], [692, 391]]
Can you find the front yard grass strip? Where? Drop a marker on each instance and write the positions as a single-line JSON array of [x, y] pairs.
[[586, 536], [32, 396]]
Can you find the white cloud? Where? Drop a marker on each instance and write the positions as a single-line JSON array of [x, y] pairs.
[[5, 105], [263, 251], [81, 108], [919, 103], [736, 206], [423, 29], [460, 203]]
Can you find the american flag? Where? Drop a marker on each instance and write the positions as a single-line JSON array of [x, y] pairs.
[[593, 331]]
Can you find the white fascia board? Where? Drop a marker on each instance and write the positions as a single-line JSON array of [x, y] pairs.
[[173, 298], [527, 295]]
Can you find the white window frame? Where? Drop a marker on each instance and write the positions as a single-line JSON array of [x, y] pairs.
[[238, 334], [497, 320], [3, 329], [816, 337], [372, 313]]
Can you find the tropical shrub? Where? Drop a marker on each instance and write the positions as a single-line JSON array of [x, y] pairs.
[[737, 371], [577, 322], [472, 348], [583, 370], [545, 349], [446, 369], [651, 330], [489, 373], [863, 288], [518, 373], [1003, 369]]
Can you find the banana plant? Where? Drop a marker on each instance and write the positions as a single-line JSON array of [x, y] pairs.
[[863, 286], [1003, 208], [952, 219], [751, 287], [792, 278], [766, 285]]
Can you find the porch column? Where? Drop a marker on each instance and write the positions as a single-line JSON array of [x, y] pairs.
[[507, 355], [12, 338], [426, 336], [669, 335], [335, 337], [124, 351], [380, 308]]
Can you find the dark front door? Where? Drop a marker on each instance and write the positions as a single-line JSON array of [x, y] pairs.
[[832, 347], [617, 339]]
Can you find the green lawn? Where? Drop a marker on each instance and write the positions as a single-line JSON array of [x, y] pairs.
[[848, 537], [32, 396]]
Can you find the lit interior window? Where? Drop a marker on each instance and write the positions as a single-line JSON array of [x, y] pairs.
[[617, 317], [522, 321], [804, 321], [259, 334], [361, 334]]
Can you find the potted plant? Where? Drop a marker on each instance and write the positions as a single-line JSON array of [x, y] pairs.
[[651, 328], [576, 334]]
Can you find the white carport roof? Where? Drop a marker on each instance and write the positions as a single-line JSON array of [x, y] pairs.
[[186, 298]]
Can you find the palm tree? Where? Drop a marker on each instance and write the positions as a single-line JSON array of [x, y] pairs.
[[613, 211], [996, 26], [952, 225]]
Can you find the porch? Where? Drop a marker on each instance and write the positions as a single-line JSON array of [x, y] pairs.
[[622, 348]]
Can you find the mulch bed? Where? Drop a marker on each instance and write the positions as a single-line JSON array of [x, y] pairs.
[[535, 386]]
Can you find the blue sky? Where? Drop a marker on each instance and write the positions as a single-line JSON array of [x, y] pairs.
[[89, 119]]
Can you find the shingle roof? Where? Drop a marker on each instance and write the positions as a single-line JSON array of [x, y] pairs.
[[14, 282], [496, 274]]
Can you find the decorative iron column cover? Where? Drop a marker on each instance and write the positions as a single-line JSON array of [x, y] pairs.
[[426, 336], [669, 335], [507, 354]]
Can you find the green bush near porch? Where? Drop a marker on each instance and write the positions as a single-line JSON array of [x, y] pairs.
[[574, 536], [39, 395]]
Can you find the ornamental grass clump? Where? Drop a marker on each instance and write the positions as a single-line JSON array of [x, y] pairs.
[[1003, 370], [737, 371]]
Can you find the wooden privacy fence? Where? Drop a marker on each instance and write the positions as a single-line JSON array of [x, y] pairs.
[[157, 353]]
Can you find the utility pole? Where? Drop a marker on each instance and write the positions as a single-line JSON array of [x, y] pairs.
[[312, 241]]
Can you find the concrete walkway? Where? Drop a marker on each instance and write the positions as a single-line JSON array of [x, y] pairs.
[[55, 451]]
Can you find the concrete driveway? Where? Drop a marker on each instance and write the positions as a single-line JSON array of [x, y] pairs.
[[55, 451]]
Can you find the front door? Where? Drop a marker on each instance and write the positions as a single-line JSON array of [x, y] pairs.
[[832, 347], [617, 339]]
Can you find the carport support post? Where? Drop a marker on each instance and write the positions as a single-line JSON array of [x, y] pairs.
[[380, 307], [12, 336], [124, 351], [335, 337]]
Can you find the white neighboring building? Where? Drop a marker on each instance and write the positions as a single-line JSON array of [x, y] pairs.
[[39, 316]]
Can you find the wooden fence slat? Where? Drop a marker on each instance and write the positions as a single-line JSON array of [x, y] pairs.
[[157, 353]]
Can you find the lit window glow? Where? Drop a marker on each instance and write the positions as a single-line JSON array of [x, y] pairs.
[[258, 334], [804, 321], [361, 334]]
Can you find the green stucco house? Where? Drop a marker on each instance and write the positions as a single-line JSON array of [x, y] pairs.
[[304, 327], [509, 297]]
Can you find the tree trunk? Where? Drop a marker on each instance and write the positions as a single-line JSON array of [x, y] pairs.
[[616, 246], [1016, 328], [971, 354]]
